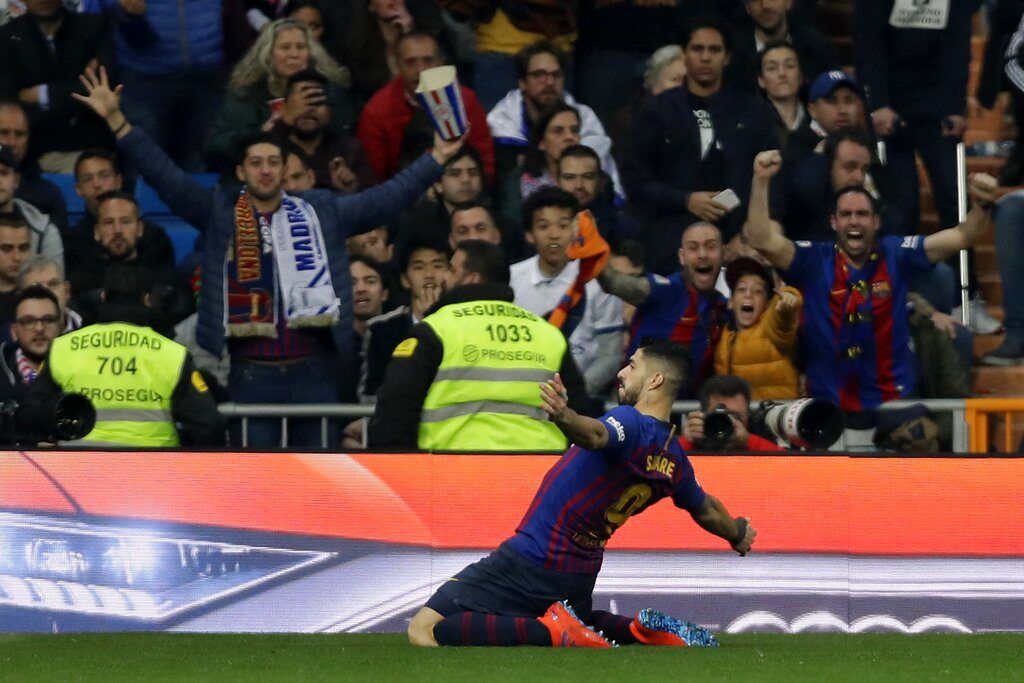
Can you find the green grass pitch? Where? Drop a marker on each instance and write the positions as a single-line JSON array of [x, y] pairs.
[[751, 657]]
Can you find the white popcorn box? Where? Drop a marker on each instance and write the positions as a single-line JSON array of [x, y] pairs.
[[439, 94]]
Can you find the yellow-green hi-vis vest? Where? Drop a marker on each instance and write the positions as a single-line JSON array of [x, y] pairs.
[[485, 395], [129, 373]]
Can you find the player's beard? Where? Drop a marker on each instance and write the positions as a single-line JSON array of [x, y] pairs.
[[627, 397]]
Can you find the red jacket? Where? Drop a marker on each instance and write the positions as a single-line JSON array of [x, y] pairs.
[[388, 112], [754, 443]]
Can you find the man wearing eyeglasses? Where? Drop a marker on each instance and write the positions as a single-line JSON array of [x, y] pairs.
[[540, 69], [37, 322]]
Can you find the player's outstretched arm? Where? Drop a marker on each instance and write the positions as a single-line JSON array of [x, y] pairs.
[[585, 432], [714, 518]]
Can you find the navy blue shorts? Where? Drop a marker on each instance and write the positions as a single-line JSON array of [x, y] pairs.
[[507, 584]]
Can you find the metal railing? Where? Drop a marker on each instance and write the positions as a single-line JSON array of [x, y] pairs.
[[328, 411]]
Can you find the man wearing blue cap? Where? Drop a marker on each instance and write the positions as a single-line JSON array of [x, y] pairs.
[[834, 102]]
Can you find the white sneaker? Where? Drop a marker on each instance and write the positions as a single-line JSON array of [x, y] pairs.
[[981, 321]]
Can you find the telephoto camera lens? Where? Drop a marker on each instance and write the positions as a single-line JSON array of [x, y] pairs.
[[718, 428]]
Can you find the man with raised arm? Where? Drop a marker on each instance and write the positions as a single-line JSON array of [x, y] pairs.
[[536, 588], [684, 307], [275, 275], [855, 335]]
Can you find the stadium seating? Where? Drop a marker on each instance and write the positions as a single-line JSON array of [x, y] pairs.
[[182, 234]]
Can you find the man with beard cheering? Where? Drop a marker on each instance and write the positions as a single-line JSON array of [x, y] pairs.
[[537, 587], [855, 335], [684, 307], [275, 277]]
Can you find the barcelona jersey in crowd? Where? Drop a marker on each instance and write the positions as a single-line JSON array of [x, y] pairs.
[[854, 332], [676, 310]]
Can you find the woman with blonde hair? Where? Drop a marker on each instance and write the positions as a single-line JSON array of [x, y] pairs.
[[258, 84]]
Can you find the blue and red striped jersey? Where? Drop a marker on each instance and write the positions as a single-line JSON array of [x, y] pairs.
[[587, 495], [676, 310], [855, 334]]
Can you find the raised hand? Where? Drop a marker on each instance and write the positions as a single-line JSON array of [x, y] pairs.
[[445, 149], [787, 301], [554, 396], [767, 163], [99, 97]]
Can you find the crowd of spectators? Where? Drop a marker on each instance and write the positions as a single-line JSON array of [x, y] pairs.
[[758, 192]]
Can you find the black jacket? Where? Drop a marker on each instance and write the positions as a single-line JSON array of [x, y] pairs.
[[87, 264], [42, 194], [664, 163], [12, 386], [802, 200], [815, 51], [383, 334], [396, 420], [193, 409], [920, 73], [26, 60]]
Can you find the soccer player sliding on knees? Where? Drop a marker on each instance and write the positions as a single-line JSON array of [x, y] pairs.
[[536, 588]]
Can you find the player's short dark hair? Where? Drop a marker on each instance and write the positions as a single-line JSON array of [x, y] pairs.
[[711, 22], [723, 385], [541, 47], [579, 152], [852, 135], [545, 197], [853, 189], [36, 291], [672, 356], [13, 219], [258, 138], [119, 194], [486, 259], [632, 250], [420, 242], [97, 153], [778, 44], [125, 282]]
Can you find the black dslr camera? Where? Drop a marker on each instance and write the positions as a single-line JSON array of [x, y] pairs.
[[718, 428], [65, 418]]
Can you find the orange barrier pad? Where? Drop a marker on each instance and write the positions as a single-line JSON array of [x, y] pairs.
[[825, 504]]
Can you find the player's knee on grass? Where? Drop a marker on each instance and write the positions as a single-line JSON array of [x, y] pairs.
[[421, 627]]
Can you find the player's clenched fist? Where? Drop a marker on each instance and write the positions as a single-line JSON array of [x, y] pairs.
[[767, 163], [744, 536]]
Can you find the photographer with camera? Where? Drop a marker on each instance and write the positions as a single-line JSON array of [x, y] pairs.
[[144, 386], [722, 422]]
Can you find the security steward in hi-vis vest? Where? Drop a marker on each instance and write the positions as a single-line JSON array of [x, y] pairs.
[[466, 377], [144, 386]]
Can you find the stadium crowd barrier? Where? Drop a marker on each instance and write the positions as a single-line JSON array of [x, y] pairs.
[[852, 440], [357, 542]]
